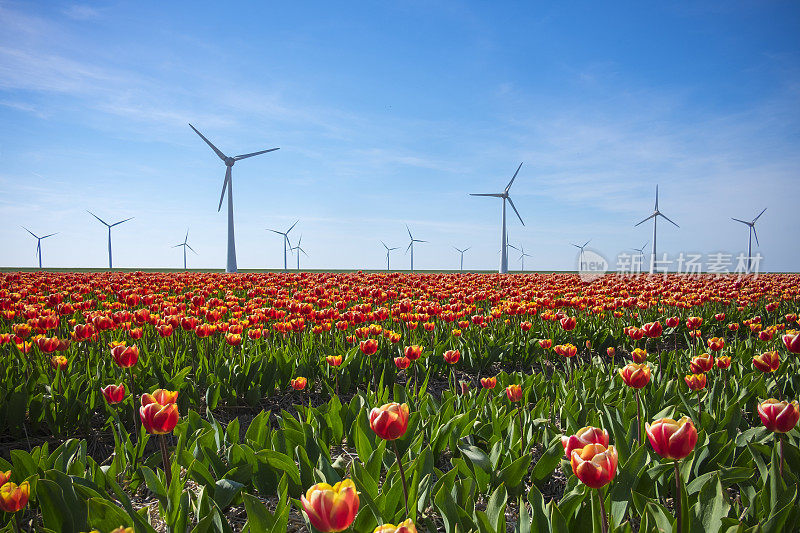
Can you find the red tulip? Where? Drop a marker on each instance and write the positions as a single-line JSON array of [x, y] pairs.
[[413, 352], [368, 347], [653, 329], [639, 355], [716, 344], [546, 343], [514, 392], [767, 361], [452, 356], [672, 439], [695, 382], [14, 497], [488, 383], [389, 421], [334, 360], [594, 464], [125, 356], [331, 509], [672, 321], [568, 323], [298, 383], [406, 526], [723, 362], [158, 412], [780, 417], [114, 393], [584, 437], [702, 363], [694, 322], [402, 362], [635, 375], [792, 342]]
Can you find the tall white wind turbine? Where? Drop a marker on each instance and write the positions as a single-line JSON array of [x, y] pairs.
[[654, 216], [503, 242], [387, 254], [185, 245], [39, 243], [752, 226], [460, 251], [580, 257], [110, 264], [411, 246], [285, 241], [228, 183], [299, 249], [522, 256]]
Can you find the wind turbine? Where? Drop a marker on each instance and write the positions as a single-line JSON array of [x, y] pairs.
[[387, 253], [39, 243], [580, 257], [411, 246], [752, 226], [654, 216], [285, 240], [462, 255], [298, 249], [110, 265], [522, 256], [503, 242], [641, 250], [185, 245], [229, 161]]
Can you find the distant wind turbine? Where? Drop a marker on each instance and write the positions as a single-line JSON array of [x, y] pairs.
[[462, 255], [185, 245], [110, 264], [522, 256], [387, 253], [411, 246], [228, 183], [654, 216], [39, 243], [285, 241], [580, 257], [299, 249], [752, 226], [503, 242], [641, 250]]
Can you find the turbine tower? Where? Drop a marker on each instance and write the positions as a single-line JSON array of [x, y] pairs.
[[641, 252], [462, 255], [228, 183], [580, 257], [752, 226], [185, 245], [503, 242], [285, 241], [110, 264], [39, 243], [387, 254], [522, 256], [411, 246], [298, 249], [654, 216]]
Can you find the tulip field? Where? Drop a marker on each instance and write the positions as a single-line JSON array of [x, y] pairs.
[[398, 403]]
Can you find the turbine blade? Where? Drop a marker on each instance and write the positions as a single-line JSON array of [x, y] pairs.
[[656, 197], [276, 231], [29, 231], [292, 226], [575, 245], [216, 150], [245, 156], [587, 242], [224, 186], [192, 249], [515, 210], [181, 244], [665, 216], [759, 215], [645, 220], [121, 221], [755, 234], [409, 232], [409, 246], [467, 248], [46, 236], [384, 245], [742, 221], [513, 178], [304, 252], [496, 195], [97, 217], [185, 239]]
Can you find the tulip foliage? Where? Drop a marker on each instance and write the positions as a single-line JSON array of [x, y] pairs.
[[356, 401]]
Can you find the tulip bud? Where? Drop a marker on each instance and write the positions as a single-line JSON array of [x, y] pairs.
[[672, 439], [331, 509]]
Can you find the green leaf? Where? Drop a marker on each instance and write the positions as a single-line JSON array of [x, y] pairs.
[[105, 516], [710, 508]]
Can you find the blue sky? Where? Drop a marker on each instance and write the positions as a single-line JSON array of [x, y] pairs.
[[390, 113]]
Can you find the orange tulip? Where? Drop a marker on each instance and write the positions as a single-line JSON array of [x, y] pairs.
[[59, 362], [488, 383], [14, 497], [402, 362], [389, 421], [331, 509], [413, 352], [334, 360], [672, 439], [406, 526], [767, 361], [584, 437], [723, 362], [514, 392], [566, 350], [298, 383], [780, 417], [639, 355], [695, 382], [546, 343], [594, 464], [635, 375], [233, 339]]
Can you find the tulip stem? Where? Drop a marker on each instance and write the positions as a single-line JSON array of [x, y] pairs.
[[780, 452], [17, 526], [678, 513], [521, 431], [165, 459], [638, 417], [604, 518], [699, 407], [402, 472]]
